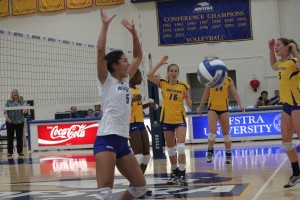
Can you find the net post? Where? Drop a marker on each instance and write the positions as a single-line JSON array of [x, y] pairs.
[[156, 126]]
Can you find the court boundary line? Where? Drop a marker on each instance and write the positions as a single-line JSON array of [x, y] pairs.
[[271, 177]]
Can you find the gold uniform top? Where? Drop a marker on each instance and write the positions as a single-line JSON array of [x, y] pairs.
[[289, 82], [218, 97], [137, 114], [173, 111]]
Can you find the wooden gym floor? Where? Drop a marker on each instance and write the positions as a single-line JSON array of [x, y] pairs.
[[258, 171]]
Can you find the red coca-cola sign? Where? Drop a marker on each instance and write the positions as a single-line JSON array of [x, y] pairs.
[[67, 134]]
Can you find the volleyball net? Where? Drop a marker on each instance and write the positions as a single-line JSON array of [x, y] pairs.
[[53, 73]]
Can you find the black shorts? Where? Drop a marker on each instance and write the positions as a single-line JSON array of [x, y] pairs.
[[219, 112]]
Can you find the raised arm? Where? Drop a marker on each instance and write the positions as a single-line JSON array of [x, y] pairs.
[[203, 101], [137, 49], [188, 100], [101, 61], [236, 95], [273, 59], [150, 74], [295, 54]]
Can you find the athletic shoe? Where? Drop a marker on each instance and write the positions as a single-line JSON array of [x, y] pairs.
[[209, 157], [293, 181], [98, 197], [228, 160], [145, 196], [173, 181], [149, 192], [141, 197], [182, 181], [102, 194], [174, 178]]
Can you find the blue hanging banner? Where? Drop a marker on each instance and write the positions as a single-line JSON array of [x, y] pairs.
[[196, 21], [247, 125]]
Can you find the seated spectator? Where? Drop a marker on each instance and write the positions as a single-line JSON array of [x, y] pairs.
[[276, 99], [89, 113], [74, 112], [97, 113], [262, 100]]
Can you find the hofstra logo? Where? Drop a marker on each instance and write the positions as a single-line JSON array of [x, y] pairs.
[[277, 122], [203, 6]]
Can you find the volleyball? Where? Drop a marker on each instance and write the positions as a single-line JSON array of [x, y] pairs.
[[212, 72]]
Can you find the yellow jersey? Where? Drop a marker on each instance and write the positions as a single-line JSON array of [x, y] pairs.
[[218, 97], [137, 114], [173, 111], [289, 82]]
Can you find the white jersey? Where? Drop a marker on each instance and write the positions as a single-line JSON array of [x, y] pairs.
[[115, 100]]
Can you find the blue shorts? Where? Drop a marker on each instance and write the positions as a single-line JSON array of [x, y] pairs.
[[112, 143], [172, 127], [288, 109], [137, 126]]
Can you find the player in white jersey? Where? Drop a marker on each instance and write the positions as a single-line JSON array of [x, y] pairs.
[[111, 145]]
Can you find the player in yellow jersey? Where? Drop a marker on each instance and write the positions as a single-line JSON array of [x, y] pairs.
[[139, 140], [218, 103], [288, 67], [174, 93]]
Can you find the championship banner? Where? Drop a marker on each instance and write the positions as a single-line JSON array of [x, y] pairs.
[[108, 2], [194, 21], [74, 4], [3, 8], [51, 5], [23, 7], [263, 125]]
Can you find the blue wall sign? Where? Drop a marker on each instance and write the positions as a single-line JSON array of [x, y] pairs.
[[242, 125], [198, 21]]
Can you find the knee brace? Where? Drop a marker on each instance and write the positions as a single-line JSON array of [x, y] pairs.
[[227, 138], [146, 159], [137, 191], [211, 137], [104, 194], [171, 151], [139, 158], [287, 146], [180, 148]]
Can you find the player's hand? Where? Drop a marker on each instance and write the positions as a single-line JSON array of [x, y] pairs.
[[164, 60], [105, 18], [186, 94], [243, 109], [129, 26], [152, 105], [272, 44], [199, 111], [293, 47], [137, 97]]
